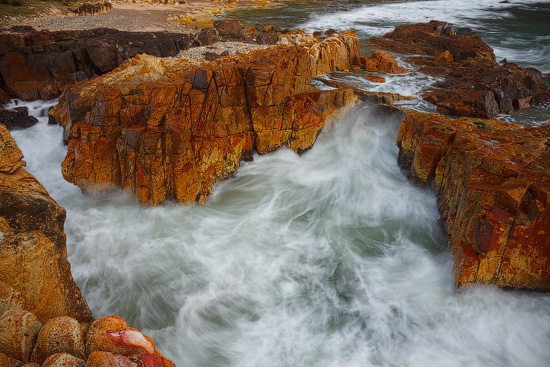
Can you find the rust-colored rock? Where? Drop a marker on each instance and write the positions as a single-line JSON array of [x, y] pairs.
[[475, 85], [7, 361], [59, 335], [10, 299], [64, 360], [101, 359], [492, 181], [382, 61], [33, 256], [18, 332], [112, 334], [170, 128]]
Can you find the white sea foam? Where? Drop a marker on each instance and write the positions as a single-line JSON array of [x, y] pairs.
[[331, 258]]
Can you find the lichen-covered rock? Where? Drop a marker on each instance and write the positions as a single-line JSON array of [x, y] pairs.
[[101, 359], [10, 299], [59, 335], [112, 334], [64, 360], [382, 61], [492, 181], [170, 128], [33, 256], [18, 332], [7, 361]]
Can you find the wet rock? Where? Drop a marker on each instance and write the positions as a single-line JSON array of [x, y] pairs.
[[475, 85], [10, 299], [18, 118], [63, 360], [4, 97], [59, 335], [112, 334], [492, 181], [191, 123], [33, 243], [18, 332]]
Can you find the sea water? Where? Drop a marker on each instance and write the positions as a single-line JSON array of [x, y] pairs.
[[331, 258]]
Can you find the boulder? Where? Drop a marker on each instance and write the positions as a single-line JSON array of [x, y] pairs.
[[18, 332], [492, 181], [60, 335], [63, 360], [33, 257], [170, 128], [474, 84], [18, 118]]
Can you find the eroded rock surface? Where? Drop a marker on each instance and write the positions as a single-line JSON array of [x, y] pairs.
[[33, 258], [492, 181], [475, 84], [169, 128]]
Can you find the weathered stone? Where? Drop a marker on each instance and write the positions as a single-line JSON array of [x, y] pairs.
[[18, 332], [230, 29], [64, 360], [40, 64], [475, 85], [7, 361], [10, 299], [33, 256], [112, 334], [171, 128], [17, 118], [59, 335], [492, 181], [101, 359]]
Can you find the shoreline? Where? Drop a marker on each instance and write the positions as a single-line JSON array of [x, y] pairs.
[[130, 17]]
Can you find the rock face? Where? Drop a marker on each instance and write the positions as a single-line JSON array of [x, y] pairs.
[[33, 256], [169, 128], [39, 64], [492, 181], [475, 85], [43, 317], [18, 118]]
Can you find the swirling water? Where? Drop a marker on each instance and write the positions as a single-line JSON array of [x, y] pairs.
[[331, 258]]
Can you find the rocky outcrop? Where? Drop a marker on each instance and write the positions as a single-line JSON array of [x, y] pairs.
[[93, 8], [169, 128], [40, 64], [33, 257], [475, 85], [492, 182], [44, 320], [18, 118]]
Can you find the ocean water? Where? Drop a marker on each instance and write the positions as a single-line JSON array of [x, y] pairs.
[[331, 258]]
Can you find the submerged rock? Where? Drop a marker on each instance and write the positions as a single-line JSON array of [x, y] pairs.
[[492, 181], [169, 128]]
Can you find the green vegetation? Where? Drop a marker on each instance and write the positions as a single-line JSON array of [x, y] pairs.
[[32, 7]]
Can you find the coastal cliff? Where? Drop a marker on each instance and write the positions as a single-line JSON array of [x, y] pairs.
[[170, 128]]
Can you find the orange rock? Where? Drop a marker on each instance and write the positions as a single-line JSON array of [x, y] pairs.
[[10, 299], [376, 78], [170, 128], [7, 361], [63, 360], [101, 359], [446, 56], [59, 335], [33, 256], [112, 334], [493, 186], [18, 332], [387, 63]]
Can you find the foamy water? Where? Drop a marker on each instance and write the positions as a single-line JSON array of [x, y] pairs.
[[331, 258]]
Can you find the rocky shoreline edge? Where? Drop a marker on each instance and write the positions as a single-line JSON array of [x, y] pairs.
[[130, 113]]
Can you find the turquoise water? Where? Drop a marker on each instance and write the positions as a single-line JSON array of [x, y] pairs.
[[331, 258]]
